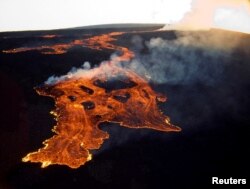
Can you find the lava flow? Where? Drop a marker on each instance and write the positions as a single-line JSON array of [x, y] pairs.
[[108, 93], [96, 42], [49, 36]]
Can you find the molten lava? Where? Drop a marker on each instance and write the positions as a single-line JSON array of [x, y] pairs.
[[49, 36], [108, 93], [96, 42]]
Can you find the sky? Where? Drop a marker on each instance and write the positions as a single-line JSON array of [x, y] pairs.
[[50, 14], [19, 15]]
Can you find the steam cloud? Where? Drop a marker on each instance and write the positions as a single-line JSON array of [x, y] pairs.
[[225, 14]]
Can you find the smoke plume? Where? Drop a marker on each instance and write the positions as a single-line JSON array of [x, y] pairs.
[[193, 57], [224, 14]]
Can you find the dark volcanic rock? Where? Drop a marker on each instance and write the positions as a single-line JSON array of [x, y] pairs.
[[214, 115]]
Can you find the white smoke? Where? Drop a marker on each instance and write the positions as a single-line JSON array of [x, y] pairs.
[[225, 14], [73, 73]]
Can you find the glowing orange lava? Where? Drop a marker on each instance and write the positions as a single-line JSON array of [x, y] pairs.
[[49, 36], [96, 42], [108, 93]]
